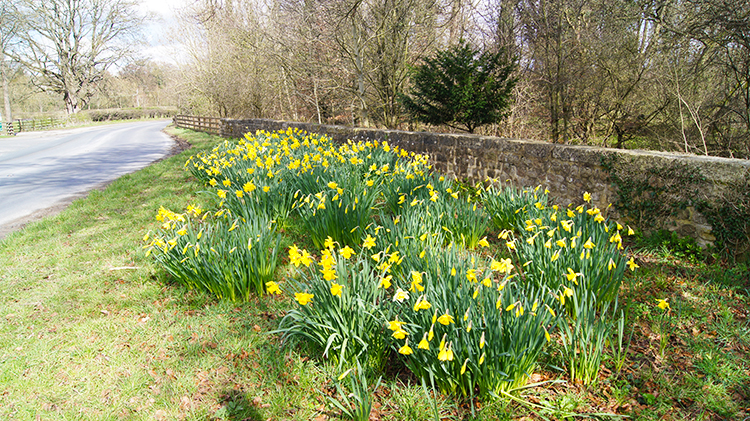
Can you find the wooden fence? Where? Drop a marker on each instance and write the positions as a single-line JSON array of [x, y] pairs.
[[29, 125], [202, 124]]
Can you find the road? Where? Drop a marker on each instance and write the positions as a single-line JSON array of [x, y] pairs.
[[43, 172]]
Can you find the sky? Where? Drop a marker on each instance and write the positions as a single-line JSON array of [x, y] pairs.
[[162, 44]]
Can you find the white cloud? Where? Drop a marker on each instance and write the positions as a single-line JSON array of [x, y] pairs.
[[162, 45]]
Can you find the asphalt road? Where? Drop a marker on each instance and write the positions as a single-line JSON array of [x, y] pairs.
[[43, 172]]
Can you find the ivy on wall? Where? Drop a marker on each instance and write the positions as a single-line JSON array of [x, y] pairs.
[[648, 195], [730, 218]]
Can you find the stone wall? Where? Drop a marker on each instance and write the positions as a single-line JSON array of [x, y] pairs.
[[567, 170]]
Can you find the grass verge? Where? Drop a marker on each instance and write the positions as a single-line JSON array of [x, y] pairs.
[[91, 329]]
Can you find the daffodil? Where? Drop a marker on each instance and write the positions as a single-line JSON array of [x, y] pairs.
[[631, 263], [663, 304], [385, 282], [483, 242], [329, 274], [273, 288], [445, 319], [400, 295], [395, 325], [336, 289], [369, 242], [346, 252], [422, 304], [399, 334], [503, 266], [303, 298], [572, 275], [406, 349], [446, 353], [305, 258], [424, 343]]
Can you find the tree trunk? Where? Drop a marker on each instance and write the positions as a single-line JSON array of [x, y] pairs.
[[6, 91]]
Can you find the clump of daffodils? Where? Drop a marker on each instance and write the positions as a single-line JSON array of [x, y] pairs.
[[408, 261]]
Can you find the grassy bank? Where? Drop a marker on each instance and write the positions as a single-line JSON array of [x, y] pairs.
[[91, 329]]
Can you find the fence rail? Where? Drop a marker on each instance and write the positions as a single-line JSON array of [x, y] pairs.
[[203, 124], [28, 125]]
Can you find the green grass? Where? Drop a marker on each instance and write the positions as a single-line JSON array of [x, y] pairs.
[[91, 329]]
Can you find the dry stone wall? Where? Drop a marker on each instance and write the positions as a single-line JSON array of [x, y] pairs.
[[567, 170]]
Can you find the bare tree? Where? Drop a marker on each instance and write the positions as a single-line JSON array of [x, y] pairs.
[[68, 45], [9, 26]]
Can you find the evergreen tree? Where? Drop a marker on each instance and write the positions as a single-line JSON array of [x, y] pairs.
[[462, 88]]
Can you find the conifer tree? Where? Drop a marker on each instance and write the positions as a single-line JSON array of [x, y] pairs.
[[462, 88]]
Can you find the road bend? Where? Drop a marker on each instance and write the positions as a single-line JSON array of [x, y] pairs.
[[42, 172]]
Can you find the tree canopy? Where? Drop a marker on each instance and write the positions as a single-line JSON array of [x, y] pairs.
[[68, 45]]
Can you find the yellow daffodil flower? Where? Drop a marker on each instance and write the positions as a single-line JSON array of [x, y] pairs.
[[422, 304], [399, 334], [273, 288], [346, 252], [400, 295], [463, 367], [406, 349], [369, 242], [446, 354], [395, 324], [303, 298], [336, 289], [424, 343], [663, 304], [631, 263], [445, 319]]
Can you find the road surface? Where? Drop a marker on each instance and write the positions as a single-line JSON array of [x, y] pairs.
[[43, 172]]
